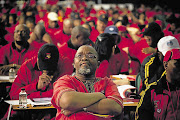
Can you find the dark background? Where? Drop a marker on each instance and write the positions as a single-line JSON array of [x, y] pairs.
[[172, 4]]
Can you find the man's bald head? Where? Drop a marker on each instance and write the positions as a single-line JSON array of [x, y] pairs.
[[23, 26], [39, 30], [79, 36], [79, 29], [68, 26]]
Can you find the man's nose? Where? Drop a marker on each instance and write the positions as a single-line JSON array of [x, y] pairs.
[[84, 57]]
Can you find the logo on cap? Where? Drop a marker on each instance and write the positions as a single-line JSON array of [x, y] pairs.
[[111, 29], [170, 43], [48, 56]]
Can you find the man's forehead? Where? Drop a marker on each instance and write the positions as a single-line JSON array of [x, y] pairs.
[[86, 49], [20, 27]]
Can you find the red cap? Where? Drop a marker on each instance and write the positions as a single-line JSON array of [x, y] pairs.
[[32, 2], [150, 14], [52, 2], [122, 28], [93, 11], [81, 11], [88, 19], [4, 10], [102, 12], [172, 54], [18, 13], [42, 10], [13, 11]]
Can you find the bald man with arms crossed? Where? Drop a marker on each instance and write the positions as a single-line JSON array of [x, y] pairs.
[[82, 95]]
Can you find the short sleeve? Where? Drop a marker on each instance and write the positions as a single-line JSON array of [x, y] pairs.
[[63, 84]]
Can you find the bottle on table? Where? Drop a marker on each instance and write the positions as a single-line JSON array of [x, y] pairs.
[[12, 73], [23, 98]]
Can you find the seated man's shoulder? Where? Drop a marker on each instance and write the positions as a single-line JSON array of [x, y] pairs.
[[66, 78], [30, 62], [6, 46]]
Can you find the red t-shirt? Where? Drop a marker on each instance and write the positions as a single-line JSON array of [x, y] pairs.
[[70, 83], [10, 55], [65, 51], [135, 51], [94, 34], [53, 33], [39, 19], [117, 64], [125, 42], [28, 76], [61, 37]]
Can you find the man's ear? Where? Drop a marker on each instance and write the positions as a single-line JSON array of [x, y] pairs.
[[165, 64], [73, 65]]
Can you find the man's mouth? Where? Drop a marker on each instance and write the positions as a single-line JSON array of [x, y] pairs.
[[84, 63]]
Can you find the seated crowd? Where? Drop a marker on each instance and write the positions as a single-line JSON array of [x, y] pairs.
[[69, 53]]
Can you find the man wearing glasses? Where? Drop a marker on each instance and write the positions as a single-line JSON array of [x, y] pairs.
[[83, 96]]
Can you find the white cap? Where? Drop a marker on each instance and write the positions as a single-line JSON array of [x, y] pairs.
[[167, 43], [53, 16]]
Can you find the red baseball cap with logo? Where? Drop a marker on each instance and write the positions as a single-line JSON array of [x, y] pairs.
[[172, 54]]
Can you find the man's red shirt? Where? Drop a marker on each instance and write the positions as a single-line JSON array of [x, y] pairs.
[[61, 37], [70, 83], [118, 63], [135, 51], [10, 54]]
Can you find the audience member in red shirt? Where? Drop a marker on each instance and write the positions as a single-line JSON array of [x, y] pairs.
[[10, 27], [38, 74], [39, 35], [40, 17], [15, 53], [147, 45], [52, 26], [82, 95], [79, 37], [113, 60], [30, 23], [100, 27], [174, 24], [65, 34]]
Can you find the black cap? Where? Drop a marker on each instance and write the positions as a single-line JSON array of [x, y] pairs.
[[48, 57], [103, 18], [152, 28]]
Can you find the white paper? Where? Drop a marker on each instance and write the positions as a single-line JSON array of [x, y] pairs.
[[123, 88], [5, 77], [128, 103], [36, 101], [41, 101], [16, 102]]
